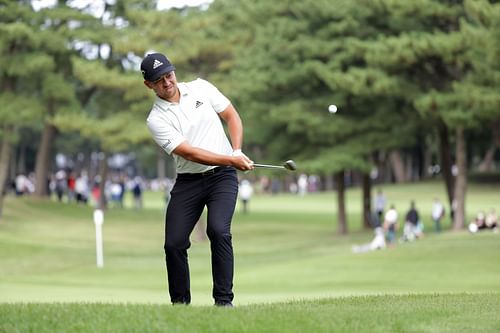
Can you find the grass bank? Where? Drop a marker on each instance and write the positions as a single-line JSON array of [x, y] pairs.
[[293, 273]]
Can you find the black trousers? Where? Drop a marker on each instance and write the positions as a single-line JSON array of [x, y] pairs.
[[191, 193]]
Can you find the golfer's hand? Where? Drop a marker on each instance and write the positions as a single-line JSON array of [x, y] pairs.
[[241, 161]]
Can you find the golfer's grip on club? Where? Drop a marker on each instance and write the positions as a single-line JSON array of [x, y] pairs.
[[248, 163], [203, 156]]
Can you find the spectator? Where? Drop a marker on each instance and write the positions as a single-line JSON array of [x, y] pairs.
[[413, 226], [121, 182], [61, 184], [20, 184], [96, 191], [375, 220], [71, 186], [275, 186], [391, 224], [377, 243], [30, 183], [245, 193], [437, 214], [302, 184], [313, 181], [479, 222], [81, 189], [265, 184], [116, 194], [137, 193], [379, 204], [492, 220]]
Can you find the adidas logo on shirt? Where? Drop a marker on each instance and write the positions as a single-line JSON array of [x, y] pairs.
[[157, 64], [198, 103]]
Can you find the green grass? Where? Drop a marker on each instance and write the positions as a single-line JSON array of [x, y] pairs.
[[411, 313], [293, 273]]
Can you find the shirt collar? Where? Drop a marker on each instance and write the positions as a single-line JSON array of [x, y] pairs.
[[183, 90]]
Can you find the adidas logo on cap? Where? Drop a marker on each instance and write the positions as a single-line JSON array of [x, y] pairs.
[[157, 64], [154, 65]]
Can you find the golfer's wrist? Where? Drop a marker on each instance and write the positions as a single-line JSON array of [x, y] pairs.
[[234, 161], [237, 152]]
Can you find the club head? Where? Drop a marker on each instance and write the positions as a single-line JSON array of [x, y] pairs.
[[290, 165]]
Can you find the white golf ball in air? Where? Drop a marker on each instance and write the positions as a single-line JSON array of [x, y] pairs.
[[332, 108]]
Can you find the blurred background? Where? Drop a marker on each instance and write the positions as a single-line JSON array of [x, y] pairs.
[[415, 84]]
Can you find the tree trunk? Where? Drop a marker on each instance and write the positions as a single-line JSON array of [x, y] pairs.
[[367, 209], [409, 170], [4, 163], [487, 162], [397, 165], [21, 161], [43, 160], [103, 173], [427, 161], [342, 220], [329, 181], [445, 156], [461, 181], [13, 165]]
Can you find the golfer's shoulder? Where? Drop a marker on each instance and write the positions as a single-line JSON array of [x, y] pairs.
[[198, 85], [159, 111]]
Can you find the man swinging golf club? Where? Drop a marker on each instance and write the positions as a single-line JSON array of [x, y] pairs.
[[185, 121]]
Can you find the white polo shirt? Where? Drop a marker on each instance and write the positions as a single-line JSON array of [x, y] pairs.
[[194, 119]]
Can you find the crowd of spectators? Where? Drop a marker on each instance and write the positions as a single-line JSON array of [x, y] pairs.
[[78, 187]]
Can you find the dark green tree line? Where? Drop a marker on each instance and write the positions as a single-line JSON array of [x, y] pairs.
[[407, 77]]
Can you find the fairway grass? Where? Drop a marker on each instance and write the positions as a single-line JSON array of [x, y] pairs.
[[389, 313], [293, 273]]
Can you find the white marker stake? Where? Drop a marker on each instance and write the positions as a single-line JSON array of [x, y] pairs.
[[98, 221]]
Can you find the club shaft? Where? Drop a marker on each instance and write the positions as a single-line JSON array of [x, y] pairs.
[[257, 165]]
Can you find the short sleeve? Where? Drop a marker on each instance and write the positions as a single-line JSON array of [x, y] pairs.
[[218, 101], [165, 135]]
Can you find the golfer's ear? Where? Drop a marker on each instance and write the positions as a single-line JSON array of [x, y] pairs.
[[148, 84]]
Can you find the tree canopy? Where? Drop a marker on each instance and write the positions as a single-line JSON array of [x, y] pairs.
[[403, 74]]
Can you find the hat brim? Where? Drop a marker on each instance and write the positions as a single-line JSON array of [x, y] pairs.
[[159, 74]]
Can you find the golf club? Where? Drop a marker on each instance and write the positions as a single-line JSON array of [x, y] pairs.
[[288, 165]]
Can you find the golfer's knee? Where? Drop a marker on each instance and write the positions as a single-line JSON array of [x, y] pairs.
[[219, 235], [173, 244]]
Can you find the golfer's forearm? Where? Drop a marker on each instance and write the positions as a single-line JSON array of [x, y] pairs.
[[206, 157]]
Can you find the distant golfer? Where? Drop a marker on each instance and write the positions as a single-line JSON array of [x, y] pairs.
[[185, 122]]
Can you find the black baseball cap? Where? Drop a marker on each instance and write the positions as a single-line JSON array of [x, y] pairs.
[[154, 65]]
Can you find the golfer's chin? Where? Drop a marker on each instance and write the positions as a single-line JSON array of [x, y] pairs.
[[168, 94]]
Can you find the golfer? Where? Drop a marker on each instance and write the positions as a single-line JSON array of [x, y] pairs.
[[185, 121]]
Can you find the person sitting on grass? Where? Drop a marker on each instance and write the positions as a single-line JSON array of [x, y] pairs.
[[479, 222], [378, 242], [492, 220], [411, 229]]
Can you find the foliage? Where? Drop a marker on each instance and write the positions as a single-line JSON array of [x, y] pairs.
[[395, 69]]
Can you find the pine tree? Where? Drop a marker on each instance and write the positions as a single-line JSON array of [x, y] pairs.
[[306, 56], [21, 65]]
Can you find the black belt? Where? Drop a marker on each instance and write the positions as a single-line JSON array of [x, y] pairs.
[[201, 174]]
